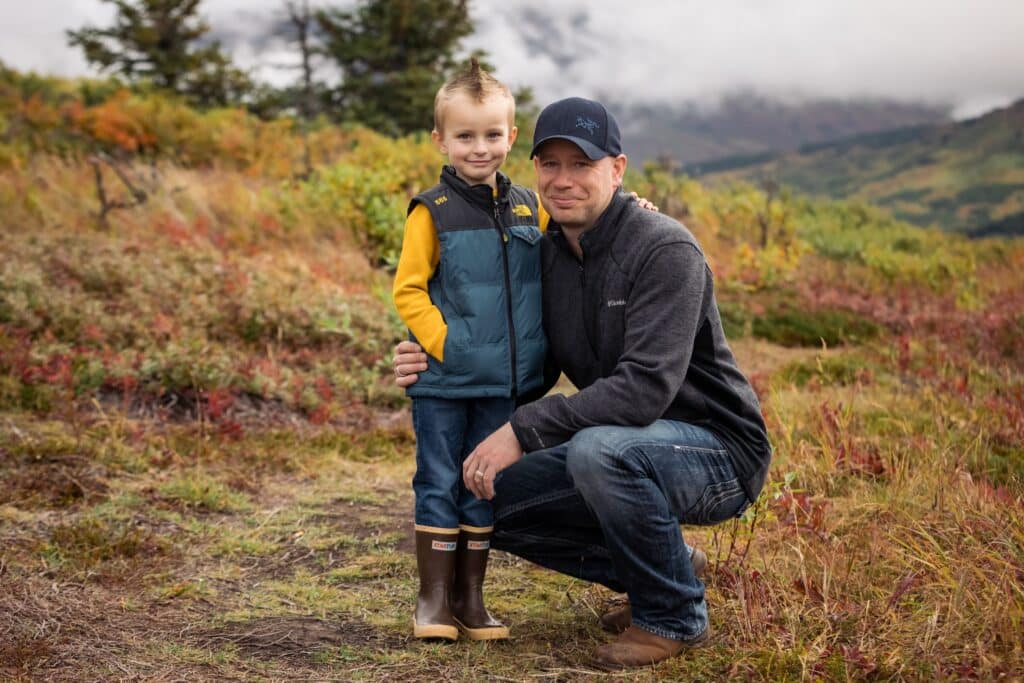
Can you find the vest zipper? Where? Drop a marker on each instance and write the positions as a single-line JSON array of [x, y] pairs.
[[503, 236]]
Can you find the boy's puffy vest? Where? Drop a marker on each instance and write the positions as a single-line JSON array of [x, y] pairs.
[[488, 287]]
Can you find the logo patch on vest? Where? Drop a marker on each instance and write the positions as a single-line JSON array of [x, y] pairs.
[[522, 210], [611, 303], [478, 545], [441, 200], [446, 546]]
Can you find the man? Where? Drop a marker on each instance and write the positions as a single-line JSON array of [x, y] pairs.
[[664, 429]]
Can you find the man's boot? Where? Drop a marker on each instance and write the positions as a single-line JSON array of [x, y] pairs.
[[468, 592], [435, 560], [637, 647], [618, 619]]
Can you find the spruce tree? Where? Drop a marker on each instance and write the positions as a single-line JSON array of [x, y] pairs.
[[157, 41], [393, 55]]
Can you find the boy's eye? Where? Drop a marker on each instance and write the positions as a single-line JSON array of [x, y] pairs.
[[463, 136]]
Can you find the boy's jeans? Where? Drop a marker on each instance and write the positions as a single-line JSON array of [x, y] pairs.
[[447, 431], [606, 507]]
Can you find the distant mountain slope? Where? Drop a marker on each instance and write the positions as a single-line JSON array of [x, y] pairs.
[[966, 176], [747, 123]]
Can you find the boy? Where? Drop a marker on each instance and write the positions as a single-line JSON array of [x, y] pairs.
[[468, 286]]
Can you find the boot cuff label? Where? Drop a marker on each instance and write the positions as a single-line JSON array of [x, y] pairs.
[[443, 545], [478, 545]]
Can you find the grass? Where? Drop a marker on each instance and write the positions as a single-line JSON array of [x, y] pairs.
[[206, 470]]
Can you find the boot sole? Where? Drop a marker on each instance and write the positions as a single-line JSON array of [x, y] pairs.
[[443, 631], [490, 633]]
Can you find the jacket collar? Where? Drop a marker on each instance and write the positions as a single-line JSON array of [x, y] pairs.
[[600, 237], [480, 195]]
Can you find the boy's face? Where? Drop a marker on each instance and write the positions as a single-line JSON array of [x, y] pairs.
[[477, 136]]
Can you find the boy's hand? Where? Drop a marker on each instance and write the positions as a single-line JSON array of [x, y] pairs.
[[644, 202], [409, 359], [492, 455]]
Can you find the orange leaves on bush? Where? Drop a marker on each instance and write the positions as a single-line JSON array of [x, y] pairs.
[[120, 123]]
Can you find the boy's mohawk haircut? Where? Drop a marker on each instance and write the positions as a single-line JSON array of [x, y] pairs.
[[475, 82]]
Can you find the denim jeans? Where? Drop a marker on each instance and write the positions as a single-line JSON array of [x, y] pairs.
[[606, 507], [447, 431]]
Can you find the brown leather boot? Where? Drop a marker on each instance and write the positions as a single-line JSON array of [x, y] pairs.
[[467, 594], [618, 619], [637, 647], [435, 560]]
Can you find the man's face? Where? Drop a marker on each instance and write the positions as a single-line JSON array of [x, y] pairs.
[[574, 188]]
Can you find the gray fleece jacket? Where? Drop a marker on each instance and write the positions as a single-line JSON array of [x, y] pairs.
[[636, 328]]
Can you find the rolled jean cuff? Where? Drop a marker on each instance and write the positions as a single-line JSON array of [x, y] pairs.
[[666, 633]]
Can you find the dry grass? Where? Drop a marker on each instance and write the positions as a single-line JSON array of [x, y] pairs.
[[205, 473]]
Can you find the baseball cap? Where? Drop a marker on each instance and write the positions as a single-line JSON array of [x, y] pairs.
[[586, 123]]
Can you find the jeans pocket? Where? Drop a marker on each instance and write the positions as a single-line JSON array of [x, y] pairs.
[[718, 502]]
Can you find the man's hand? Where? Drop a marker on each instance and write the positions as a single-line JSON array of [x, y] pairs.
[[644, 202], [491, 456], [409, 359]]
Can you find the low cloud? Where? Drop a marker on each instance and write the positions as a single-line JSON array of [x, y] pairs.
[[939, 51]]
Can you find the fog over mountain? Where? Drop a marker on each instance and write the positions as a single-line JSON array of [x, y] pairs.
[[683, 57]]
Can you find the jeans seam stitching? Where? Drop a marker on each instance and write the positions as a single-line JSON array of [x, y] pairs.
[[623, 446], [538, 500]]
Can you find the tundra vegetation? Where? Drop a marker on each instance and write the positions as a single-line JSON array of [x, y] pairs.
[[205, 467]]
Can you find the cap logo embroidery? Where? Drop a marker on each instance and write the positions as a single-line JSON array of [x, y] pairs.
[[589, 125]]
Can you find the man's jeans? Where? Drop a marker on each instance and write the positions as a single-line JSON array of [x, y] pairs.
[[447, 431], [606, 507]]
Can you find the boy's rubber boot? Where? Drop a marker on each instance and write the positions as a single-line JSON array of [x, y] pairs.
[[617, 620], [435, 559], [468, 607]]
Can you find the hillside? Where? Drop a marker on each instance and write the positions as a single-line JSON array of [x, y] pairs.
[[205, 467], [964, 177], [747, 123]]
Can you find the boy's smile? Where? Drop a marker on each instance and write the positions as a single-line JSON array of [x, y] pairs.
[[476, 137]]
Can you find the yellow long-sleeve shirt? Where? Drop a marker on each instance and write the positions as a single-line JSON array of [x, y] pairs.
[[421, 252]]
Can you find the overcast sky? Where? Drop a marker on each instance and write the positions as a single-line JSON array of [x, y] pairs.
[[967, 53]]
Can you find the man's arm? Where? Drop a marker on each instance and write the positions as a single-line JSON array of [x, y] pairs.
[[662, 318]]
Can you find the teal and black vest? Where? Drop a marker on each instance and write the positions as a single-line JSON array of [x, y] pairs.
[[487, 286]]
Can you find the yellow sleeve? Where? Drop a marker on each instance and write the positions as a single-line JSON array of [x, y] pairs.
[[421, 252], [542, 215]]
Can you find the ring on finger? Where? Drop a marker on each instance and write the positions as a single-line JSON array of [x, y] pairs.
[[479, 475]]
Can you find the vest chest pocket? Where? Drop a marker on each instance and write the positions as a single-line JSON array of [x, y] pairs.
[[527, 233]]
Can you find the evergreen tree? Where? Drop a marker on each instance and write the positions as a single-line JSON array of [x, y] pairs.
[[394, 55], [157, 41]]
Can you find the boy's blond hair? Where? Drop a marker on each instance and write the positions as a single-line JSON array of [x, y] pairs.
[[478, 85]]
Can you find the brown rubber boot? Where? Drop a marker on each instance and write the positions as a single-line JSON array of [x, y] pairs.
[[435, 559], [618, 619], [637, 647], [467, 594]]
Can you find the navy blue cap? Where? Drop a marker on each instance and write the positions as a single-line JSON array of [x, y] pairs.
[[586, 123]]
